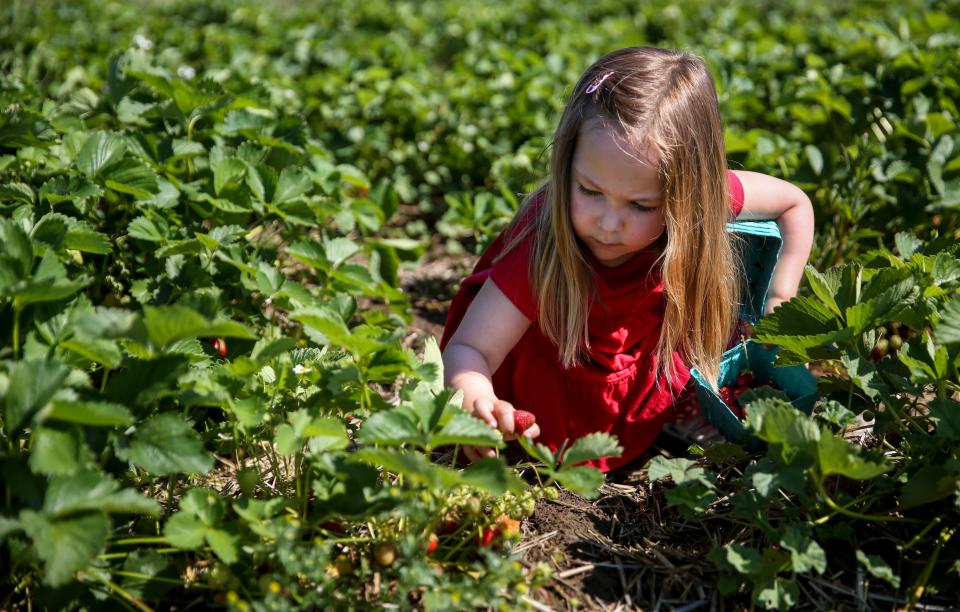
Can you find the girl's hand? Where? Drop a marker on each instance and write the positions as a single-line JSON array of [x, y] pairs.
[[499, 415]]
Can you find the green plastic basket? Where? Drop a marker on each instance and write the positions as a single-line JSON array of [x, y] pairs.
[[761, 243]]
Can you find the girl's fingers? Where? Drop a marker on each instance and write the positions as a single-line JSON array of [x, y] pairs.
[[483, 409], [503, 411], [475, 453], [531, 432]]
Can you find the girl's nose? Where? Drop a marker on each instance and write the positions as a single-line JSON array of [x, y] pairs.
[[609, 220]]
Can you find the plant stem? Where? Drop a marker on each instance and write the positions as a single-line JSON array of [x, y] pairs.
[[118, 590], [17, 309], [921, 584], [144, 540], [863, 517]]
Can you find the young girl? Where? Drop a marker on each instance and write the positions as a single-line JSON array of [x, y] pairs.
[[618, 274]]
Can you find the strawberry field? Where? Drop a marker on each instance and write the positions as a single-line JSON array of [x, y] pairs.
[[229, 234]]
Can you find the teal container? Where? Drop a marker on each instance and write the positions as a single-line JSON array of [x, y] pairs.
[[761, 243]]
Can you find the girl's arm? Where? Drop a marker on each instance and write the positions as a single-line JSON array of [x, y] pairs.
[[767, 197], [491, 327]]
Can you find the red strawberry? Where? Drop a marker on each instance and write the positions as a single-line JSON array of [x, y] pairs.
[[220, 345], [745, 379], [522, 421], [487, 536], [432, 543]]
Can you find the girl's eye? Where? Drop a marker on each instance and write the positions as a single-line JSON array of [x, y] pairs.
[[586, 191], [641, 208]]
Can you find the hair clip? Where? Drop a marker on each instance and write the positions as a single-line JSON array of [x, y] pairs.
[[596, 84]]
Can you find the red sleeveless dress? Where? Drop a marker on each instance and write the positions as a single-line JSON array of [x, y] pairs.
[[616, 389]]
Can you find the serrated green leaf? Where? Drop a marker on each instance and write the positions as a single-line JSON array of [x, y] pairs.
[[779, 422], [415, 467], [583, 480], [226, 171], [680, 470], [309, 253], [466, 430], [50, 230], [837, 456], [223, 544], [392, 428], [805, 553], [931, 483], [16, 246], [825, 286], [66, 544], [69, 189], [293, 183], [145, 229], [339, 250], [907, 244], [87, 241], [590, 448], [947, 330], [101, 150], [31, 384], [167, 444], [58, 451], [185, 530], [131, 176], [492, 475], [741, 558], [98, 414], [878, 568], [777, 593]]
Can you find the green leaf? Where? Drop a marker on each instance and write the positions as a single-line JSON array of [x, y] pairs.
[[87, 241], [167, 444], [339, 250], [805, 553], [590, 448], [492, 475], [825, 286], [185, 530], [465, 429], [583, 480], [875, 311], [223, 544], [93, 491], [907, 244], [878, 568], [145, 229], [779, 422], [392, 428], [101, 150], [947, 330], [777, 593], [945, 413], [168, 324], [133, 177], [309, 253], [31, 384], [50, 230], [931, 483], [226, 171], [293, 183], [742, 559], [680, 470], [415, 467], [814, 158], [69, 189], [56, 451], [100, 414], [837, 456], [66, 544], [105, 352], [16, 246]]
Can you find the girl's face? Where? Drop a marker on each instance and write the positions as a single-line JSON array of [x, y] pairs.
[[615, 197]]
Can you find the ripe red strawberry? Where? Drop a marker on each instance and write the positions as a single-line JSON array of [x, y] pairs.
[[220, 345], [432, 542], [745, 379], [487, 536], [522, 421]]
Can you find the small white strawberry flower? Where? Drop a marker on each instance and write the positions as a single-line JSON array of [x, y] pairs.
[[300, 369], [186, 72], [142, 42]]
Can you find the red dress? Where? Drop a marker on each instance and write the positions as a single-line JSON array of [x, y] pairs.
[[616, 389]]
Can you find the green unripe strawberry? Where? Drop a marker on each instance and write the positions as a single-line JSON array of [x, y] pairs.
[[896, 342]]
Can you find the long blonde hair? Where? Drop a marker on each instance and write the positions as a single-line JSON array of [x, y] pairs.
[[663, 101]]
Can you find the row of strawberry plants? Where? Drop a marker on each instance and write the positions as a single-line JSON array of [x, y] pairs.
[[886, 507], [446, 100], [191, 392]]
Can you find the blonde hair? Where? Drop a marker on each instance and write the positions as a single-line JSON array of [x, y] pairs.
[[664, 102]]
